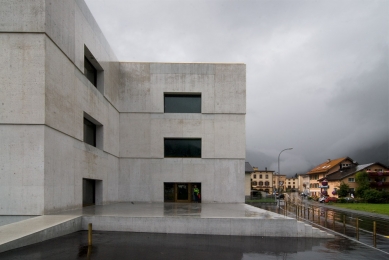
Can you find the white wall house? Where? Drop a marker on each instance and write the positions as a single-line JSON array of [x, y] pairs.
[[78, 127]]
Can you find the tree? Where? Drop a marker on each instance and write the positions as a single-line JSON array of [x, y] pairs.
[[362, 179], [343, 190]]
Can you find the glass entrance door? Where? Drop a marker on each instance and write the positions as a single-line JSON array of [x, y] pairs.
[[182, 194]]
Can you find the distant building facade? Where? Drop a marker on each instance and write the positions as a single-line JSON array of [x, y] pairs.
[[262, 180]]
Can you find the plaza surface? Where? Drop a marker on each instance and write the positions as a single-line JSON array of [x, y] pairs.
[[233, 219]]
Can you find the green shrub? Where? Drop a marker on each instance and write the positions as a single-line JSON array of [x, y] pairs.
[[342, 200], [372, 196]]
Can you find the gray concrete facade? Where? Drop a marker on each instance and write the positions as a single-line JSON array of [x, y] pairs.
[[45, 96]]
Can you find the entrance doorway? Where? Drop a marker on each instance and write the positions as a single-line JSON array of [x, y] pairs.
[[179, 192], [92, 192]]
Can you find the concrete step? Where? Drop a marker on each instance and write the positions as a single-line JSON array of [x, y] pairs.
[[306, 230]]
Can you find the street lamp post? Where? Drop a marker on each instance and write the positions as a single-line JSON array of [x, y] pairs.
[[279, 168]]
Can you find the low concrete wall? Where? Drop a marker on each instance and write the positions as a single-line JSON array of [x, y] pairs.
[[185, 225]]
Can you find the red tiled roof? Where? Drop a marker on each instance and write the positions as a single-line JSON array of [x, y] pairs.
[[326, 166]]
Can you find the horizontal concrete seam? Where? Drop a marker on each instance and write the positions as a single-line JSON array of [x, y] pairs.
[[1, 124], [175, 158]]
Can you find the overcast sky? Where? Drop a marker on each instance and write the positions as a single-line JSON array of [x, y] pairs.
[[317, 71]]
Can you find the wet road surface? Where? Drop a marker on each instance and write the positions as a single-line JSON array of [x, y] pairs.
[[127, 245]]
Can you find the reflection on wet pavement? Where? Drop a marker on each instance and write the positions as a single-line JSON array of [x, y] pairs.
[[126, 245]]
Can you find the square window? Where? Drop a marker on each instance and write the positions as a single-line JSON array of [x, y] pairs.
[[182, 147], [182, 103]]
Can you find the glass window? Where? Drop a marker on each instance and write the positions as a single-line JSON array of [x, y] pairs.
[[255, 176], [267, 176], [182, 103], [260, 176], [351, 180], [260, 183], [89, 132], [179, 147]]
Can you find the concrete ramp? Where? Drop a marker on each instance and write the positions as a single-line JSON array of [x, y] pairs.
[[36, 230]]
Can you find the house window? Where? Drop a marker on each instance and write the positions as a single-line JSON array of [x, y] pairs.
[[182, 147], [266, 176], [260, 183], [255, 176], [254, 183], [93, 132], [93, 71], [182, 103], [260, 176], [351, 179], [266, 183]]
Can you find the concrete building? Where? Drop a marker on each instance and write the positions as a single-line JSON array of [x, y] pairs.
[[292, 183], [78, 127], [279, 182], [303, 181]]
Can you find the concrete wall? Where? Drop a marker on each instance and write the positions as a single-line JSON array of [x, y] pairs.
[[144, 125], [21, 169], [44, 96]]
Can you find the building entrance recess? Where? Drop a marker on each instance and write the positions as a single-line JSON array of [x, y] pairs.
[[180, 192]]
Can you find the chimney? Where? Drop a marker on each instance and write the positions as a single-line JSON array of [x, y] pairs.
[[328, 160], [265, 169]]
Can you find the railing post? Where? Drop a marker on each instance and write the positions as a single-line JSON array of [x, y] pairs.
[[374, 234], [357, 230], [325, 218], [313, 214], [344, 224], [89, 234]]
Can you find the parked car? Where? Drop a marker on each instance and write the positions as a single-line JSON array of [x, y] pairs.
[[322, 199], [331, 199]]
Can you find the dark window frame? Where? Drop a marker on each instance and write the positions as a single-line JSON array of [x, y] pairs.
[[90, 71], [89, 128], [182, 103], [172, 149]]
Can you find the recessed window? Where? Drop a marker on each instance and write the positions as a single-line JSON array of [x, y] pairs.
[[255, 176], [351, 179], [89, 132], [93, 132], [93, 70], [182, 103], [90, 72], [180, 147]]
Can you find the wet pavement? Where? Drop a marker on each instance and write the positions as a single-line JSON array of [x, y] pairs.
[[127, 245]]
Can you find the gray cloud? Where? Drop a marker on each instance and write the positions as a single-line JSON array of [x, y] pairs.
[[317, 71]]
